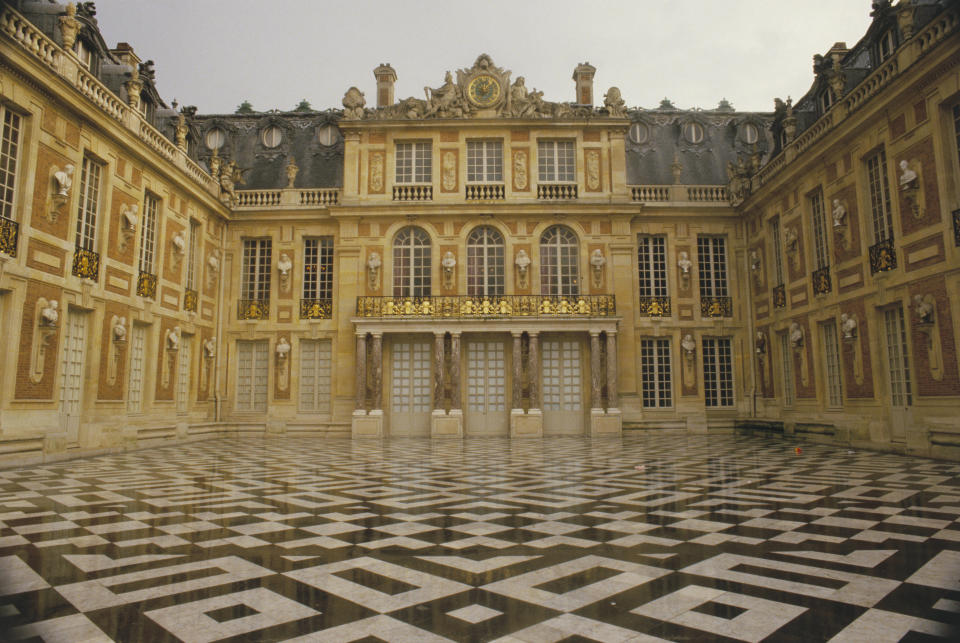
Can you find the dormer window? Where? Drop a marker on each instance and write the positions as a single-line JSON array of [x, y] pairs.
[[887, 44], [147, 108], [328, 135], [693, 133], [827, 99], [272, 136], [750, 134], [87, 56], [215, 138], [638, 133]]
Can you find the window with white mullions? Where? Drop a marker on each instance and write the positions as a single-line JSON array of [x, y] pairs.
[[414, 162], [318, 268], [411, 263], [315, 368], [183, 374], [652, 265], [777, 249], [831, 353], [712, 266], [956, 127], [655, 373], [252, 375], [148, 233], [485, 262], [484, 161], [90, 177], [9, 156], [256, 269], [556, 162], [717, 372], [559, 256], [820, 248], [879, 187], [193, 251], [786, 360], [138, 339], [901, 394]]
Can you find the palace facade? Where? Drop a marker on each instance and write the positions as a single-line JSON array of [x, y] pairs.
[[480, 261]]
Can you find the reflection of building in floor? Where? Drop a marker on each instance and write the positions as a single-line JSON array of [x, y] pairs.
[[480, 539]]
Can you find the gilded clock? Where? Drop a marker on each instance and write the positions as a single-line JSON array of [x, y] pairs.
[[484, 90]]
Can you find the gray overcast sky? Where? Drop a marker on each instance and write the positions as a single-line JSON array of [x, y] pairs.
[[216, 53]]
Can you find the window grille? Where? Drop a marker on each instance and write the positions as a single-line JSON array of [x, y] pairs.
[[183, 374], [717, 372], [148, 233], [559, 257], [485, 262], [556, 161], [712, 265], [777, 249], [820, 248], [256, 269], [9, 156], [252, 375], [484, 161], [318, 268], [414, 162], [138, 340], [315, 367], [411, 263], [832, 362], [882, 216], [89, 204], [652, 265], [193, 252], [655, 373], [786, 358], [897, 360]]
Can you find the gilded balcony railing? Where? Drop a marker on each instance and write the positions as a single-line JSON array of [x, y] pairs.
[[779, 296], [883, 256], [485, 192], [316, 309], [253, 309], [465, 306], [9, 233], [147, 285], [86, 263], [190, 300], [556, 191], [654, 306], [822, 283], [716, 306]]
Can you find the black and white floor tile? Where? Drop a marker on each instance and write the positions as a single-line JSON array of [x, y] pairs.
[[644, 538]]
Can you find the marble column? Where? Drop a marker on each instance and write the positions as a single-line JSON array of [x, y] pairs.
[[455, 372], [361, 384], [438, 371], [533, 370], [595, 375], [517, 370], [377, 371], [612, 398]]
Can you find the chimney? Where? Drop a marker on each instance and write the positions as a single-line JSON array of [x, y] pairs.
[[386, 77], [125, 53], [583, 76]]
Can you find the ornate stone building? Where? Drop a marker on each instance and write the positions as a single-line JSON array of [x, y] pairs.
[[481, 260]]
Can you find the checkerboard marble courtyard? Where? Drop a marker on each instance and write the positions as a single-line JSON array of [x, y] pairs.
[[561, 539]]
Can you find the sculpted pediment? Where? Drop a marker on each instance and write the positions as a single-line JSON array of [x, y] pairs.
[[481, 91]]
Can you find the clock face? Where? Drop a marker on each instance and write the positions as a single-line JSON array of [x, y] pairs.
[[483, 90]]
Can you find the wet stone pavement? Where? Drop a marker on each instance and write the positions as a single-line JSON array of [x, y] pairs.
[[648, 537]]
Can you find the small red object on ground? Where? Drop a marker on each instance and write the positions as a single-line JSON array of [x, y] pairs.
[[798, 450]]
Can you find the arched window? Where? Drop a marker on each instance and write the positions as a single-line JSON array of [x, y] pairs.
[[485, 262], [411, 263], [559, 257]]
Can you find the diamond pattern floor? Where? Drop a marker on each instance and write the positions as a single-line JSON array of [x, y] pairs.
[[649, 537]]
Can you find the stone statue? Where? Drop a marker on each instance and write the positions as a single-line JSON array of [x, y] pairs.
[[173, 339], [214, 262], [848, 324], [49, 315], [374, 262], [292, 170], [908, 177], [64, 179], [597, 260], [839, 214], [754, 261], [353, 103], [924, 308], [210, 348], [796, 335], [449, 262], [616, 107], [129, 214], [283, 348], [181, 132], [284, 264], [119, 329], [69, 27], [684, 263], [520, 104], [444, 100], [791, 239], [688, 345], [761, 343], [522, 262], [373, 270], [179, 242]]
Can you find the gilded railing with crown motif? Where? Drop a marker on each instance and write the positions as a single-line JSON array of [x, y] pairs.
[[9, 233], [316, 309], [883, 256], [466, 306], [253, 309], [86, 263], [654, 306], [190, 300], [822, 284], [147, 285], [716, 306]]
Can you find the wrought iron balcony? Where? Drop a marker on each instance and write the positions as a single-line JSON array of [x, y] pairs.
[[822, 283], [716, 306], [465, 306], [9, 233], [654, 306], [253, 309], [316, 309], [190, 299], [556, 191], [779, 296], [883, 256], [86, 263], [147, 285], [485, 192]]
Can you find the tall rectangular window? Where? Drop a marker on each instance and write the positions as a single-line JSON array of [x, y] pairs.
[[777, 249], [315, 366], [712, 265], [183, 374], [882, 216], [253, 360], [655, 373], [256, 269], [138, 341], [9, 156], [956, 128], [415, 162], [901, 394], [831, 354], [820, 248], [556, 161], [89, 208], [652, 265], [318, 268], [786, 360], [484, 161], [193, 253], [148, 233], [717, 372]]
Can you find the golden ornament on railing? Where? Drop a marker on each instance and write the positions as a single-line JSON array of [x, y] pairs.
[[466, 306]]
